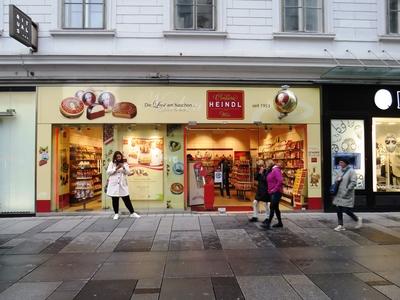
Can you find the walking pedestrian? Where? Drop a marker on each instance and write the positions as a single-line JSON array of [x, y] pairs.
[[225, 169], [262, 194], [344, 199], [275, 189], [117, 187]]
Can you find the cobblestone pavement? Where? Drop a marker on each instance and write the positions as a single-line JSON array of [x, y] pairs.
[[196, 256]]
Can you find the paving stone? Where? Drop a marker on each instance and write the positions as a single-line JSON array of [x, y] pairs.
[[330, 237], [126, 223], [73, 285], [377, 236], [186, 223], [362, 251], [186, 288], [293, 227], [14, 273], [226, 222], [310, 253], [384, 221], [186, 240], [161, 242], [23, 260], [392, 276], [235, 239], [345, 287], [153, 296], [205, 221], [260, 287], [379, 263], [125, 270], [63, 225], [200, 255], [211, 240], [371, 278], [308, 223], [103, 225], [359, 239], [321, 266], [226, 288], [165, 226], [62, 295], [149, 283], [390, 291], [57, 245], [39, 228], [4, 285], [81, 259], [85, 242], [254, 254], [283, 238], [21, 227], [305, 287], [81, 227], [112, 240], [136, 257], [136, 241], [249, 267], [107, 289], [35, 244], [35, 290], [4, 238], [146, 224], [196, 269], [259, 238]]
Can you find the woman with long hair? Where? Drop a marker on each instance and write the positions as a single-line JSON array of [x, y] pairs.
[[117, 187]]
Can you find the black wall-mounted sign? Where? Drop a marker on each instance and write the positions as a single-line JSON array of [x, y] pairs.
[[22, 28]]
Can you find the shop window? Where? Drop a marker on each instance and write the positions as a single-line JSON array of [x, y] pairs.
[[393, 16], [302, 15], [347, 141], [195, 14], [385, 134], [83, 14]]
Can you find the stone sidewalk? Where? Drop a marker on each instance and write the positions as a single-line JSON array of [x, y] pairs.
[[199, 256]]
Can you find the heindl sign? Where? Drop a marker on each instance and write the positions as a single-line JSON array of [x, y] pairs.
[[225, 105]]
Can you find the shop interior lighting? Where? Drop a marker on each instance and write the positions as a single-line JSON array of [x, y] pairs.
[[8, 113]]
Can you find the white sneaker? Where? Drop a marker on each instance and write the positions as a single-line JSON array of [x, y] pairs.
[[339, 228], [359, 223], [134, 215], [116, 217]]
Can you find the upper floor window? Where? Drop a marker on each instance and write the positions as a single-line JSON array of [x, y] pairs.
[[302, 15], [83, 14], [195, 14], [393, 16]]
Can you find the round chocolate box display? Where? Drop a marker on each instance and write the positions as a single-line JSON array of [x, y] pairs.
[[72, 107]]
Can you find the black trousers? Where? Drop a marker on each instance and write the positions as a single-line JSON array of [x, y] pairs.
[[274, 207], [347, 210], [225, 185], [127, 201]]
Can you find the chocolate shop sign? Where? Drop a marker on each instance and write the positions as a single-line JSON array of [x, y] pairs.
[[225, 105]]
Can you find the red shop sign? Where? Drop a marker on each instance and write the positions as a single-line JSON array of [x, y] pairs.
[[225, 105]]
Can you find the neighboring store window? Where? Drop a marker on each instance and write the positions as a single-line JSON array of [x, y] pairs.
[[385, 134], [393, 7], [347, 141], [302, 15], [83, 14], [195, 14]]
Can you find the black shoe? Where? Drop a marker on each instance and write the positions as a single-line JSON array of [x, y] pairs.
[[277, 225], [253, 219], [266, 226]]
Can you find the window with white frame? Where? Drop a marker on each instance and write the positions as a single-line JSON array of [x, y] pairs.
[[302, 15], [83, 14], [194, 14], [393, 7]]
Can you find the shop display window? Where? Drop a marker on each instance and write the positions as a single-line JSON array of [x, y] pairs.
[[386, 154], [347, 141]]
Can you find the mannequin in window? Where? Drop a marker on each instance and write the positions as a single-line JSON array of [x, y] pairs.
[[392, 167]]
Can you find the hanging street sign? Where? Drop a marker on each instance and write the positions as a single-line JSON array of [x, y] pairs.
[[22, 28]]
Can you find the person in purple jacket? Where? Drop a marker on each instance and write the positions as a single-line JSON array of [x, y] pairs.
[[275, 188]]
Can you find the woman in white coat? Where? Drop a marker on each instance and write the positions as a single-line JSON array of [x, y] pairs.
[[117, 187]]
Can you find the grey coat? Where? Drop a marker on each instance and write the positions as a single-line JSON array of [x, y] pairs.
[[345, 195]]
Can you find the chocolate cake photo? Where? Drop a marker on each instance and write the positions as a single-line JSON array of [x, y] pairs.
[[125, 110]]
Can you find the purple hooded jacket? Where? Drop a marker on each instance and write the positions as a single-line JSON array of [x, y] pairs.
[[275, 180]]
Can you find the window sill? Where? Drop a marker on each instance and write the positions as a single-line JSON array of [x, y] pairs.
[[389, 37], [302, 35], [87, 32], [195, 33]]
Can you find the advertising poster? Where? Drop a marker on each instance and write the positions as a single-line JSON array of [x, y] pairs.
[[145, 159]]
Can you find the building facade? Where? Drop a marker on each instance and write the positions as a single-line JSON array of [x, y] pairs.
[[163, 46]]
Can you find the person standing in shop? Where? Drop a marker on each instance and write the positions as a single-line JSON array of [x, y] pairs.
[[344, 199], [117, 187], [275, 189], [225, 169], [262, 194]]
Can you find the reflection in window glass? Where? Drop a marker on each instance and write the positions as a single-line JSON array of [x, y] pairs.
[[347, 141], [394, 16], [194, 14], [386, 133], [302, 15], [83, 14]]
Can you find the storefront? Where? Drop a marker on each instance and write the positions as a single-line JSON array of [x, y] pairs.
[[173, 139], [362, 123], [17, 150]]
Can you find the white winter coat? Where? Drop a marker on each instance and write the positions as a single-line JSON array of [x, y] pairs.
[[345, 196], [117, 180]]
